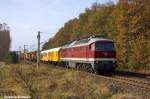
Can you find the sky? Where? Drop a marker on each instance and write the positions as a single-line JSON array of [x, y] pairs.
[[26, 17]]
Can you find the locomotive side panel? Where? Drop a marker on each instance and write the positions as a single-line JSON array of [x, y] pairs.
[[77, 54]]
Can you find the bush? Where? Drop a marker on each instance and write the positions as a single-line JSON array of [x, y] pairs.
[[133, 65], [11, 57]]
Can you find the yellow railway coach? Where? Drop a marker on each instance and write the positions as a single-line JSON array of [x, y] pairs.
[[52, 55]]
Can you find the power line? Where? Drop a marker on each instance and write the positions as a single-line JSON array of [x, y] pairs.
[[46, 33]]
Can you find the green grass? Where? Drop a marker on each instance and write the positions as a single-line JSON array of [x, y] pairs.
[[53, 83]]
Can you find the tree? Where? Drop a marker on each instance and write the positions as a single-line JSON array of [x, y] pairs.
[[4, 39], [127, 23]]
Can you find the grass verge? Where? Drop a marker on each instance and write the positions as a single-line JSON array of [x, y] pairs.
[[54, 83]]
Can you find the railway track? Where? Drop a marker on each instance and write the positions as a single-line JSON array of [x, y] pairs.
[[145, 85], [129, 85], [134, 82]]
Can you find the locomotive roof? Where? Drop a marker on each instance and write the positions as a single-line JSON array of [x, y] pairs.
[[50, 50], [85, 42], [70, 44]]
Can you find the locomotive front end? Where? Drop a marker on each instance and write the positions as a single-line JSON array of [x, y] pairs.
[[104, 56]]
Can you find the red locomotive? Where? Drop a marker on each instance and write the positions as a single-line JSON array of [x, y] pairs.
[[93, 53]]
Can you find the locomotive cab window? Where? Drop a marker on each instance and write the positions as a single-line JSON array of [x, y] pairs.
[[109, 46], [104, 46], [99, 46]]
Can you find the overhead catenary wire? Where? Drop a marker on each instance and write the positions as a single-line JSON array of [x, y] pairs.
[[32, 47], [46, 33]]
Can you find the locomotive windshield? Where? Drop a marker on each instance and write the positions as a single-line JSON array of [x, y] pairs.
[[104, 46]]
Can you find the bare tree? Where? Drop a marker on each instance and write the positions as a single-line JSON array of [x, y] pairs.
[[5, 39]]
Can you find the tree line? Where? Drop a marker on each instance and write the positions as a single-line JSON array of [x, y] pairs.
[[127, 23], [5, 39]]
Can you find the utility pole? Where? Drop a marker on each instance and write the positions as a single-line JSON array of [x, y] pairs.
[[24, 49], [19, 54], [38, 50]]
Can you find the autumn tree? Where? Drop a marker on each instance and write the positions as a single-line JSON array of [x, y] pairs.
[[133, 32]]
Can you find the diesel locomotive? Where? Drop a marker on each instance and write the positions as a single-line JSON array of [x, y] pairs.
[[92, 54]]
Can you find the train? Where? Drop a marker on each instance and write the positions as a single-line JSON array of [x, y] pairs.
[[93, 54], [30, 56]]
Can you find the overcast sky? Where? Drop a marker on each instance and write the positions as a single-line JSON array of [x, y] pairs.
[[26, 17]]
